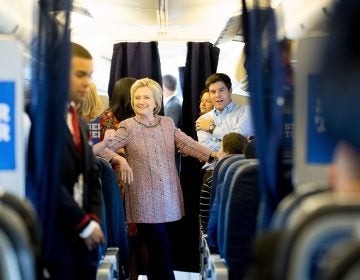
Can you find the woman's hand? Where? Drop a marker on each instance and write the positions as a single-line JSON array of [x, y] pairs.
[[214, 156], [126, 173], [109, 136]]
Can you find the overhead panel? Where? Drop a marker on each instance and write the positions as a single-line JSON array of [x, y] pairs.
[[232, 31]]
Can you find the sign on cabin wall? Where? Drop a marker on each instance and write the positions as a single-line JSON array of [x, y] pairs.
[[94, 130], [320, 145], [7, 126], [13, 136]]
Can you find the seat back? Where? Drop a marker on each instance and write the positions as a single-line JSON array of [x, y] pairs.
[[12, 225], [292, 201], [28, 215], [226, 172], [115, 217], [9, 266], [223, 198], [347, 263], [317, 225], [219, 172], [240, 219]]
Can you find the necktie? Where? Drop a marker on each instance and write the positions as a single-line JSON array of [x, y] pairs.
[[76, 129]]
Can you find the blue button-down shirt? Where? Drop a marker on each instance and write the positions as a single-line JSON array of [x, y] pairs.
[[233, 118]]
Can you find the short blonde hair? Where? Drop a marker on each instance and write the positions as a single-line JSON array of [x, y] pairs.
[[90, 108], [155, 89]]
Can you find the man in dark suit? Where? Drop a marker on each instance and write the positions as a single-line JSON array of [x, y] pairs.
[[78, 233], [172, 107], [172, 104]]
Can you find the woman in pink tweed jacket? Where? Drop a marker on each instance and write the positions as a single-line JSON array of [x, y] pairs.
[[154, 197]]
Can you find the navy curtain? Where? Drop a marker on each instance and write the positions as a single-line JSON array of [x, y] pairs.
[[265, 74], [135, 59], [201, 61], [181, 71], [49, 91]]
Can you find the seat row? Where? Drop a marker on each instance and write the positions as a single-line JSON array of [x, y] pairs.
[[233, 217], [314, 234]]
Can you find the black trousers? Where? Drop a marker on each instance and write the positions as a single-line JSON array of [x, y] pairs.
[[72, 261], [157, 243]]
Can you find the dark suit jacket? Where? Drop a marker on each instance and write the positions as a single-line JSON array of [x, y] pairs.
[[72, 218], [70, 259], [173, 110]]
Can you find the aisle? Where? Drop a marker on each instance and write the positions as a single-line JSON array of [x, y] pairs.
[[179, 275]]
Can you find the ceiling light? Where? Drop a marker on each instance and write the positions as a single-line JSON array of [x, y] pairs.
[[162, 13]]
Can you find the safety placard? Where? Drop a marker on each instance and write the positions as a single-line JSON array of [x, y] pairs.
[[7, 125]]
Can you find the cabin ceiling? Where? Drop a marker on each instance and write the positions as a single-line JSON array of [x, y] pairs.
[[98, 25]]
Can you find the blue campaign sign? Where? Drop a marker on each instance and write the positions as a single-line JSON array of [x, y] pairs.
[[320, 145], [94, 130], [7, 125]]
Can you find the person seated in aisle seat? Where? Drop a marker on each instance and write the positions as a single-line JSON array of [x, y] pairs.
[[344, 172], [249, 150], [339, 95], [232, 143]]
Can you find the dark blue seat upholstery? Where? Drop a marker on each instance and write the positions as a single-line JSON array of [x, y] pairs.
[[240, 219], [115, 217], [218, 177], [223, 198], [318, 224], [292, 201], [28, 215], [266, 245], [219, 172], [216, 221], [14, 228]]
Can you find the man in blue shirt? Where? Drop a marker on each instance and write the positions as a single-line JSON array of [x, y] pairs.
[[226, 116]]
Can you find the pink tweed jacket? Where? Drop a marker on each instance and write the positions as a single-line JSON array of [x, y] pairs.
[[155, 196]]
